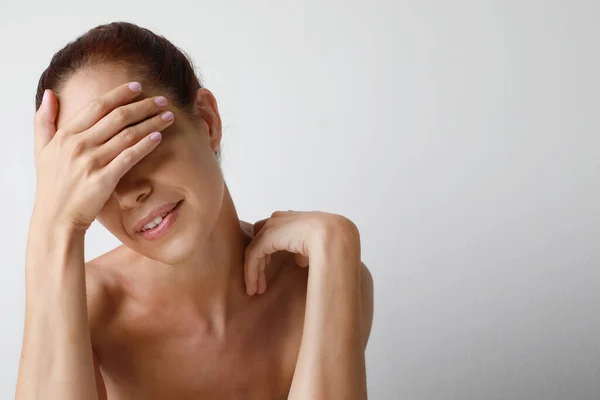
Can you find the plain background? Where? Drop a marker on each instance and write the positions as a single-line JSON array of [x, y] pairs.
[[462, 137]]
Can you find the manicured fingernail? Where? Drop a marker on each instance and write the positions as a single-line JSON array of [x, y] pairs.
[[160, 101], [155, 136], [45, 97], [135, 87], [167, 116]]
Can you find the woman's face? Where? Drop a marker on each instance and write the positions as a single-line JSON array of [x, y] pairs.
[[183, 167]]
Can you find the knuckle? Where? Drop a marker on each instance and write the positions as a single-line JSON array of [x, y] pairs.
[[128, 156], [120, 115], [60, 137], [93, 162], [128, 136], [96, 105], [77, 148], [101, 179]]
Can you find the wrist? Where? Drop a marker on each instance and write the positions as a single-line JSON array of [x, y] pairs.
[[42, 224], [48, 239], [335, 238]]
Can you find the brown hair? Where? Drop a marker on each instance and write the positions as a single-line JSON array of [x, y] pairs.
[[151, 57]]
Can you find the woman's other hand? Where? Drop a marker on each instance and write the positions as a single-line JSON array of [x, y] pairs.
[[307, 234]]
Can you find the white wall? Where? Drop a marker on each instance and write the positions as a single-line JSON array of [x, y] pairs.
[[463, 137]]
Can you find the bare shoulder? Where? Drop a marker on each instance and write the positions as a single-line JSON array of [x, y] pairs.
[[101, 288]]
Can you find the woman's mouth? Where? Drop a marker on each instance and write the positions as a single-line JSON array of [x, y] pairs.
[[163, 226]]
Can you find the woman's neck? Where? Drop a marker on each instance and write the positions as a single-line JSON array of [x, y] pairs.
[[211, 283]]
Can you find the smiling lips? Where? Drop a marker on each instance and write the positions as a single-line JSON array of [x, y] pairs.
[[163, 227], [153, 214]]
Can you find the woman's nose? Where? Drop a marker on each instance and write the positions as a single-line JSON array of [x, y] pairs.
[[129, 195]]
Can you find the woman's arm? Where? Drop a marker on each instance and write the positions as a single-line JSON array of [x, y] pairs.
[[56, 356], [339, 304], [337, 322]]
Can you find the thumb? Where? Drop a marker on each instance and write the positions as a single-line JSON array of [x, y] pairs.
[[44, 121]]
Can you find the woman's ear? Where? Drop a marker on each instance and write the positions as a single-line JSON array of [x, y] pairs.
[[207, 109]]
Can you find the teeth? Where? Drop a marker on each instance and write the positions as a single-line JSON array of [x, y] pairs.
[[155, 221]]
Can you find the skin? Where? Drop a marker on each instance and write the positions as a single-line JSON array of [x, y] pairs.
[[179, 318]]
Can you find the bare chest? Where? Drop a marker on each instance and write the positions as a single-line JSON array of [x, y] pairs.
[[156, 360], [178, 371]]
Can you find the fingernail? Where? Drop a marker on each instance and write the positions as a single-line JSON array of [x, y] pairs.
[[167, 116], [160, 101], [45, 97], [135, 87], [155, 136]]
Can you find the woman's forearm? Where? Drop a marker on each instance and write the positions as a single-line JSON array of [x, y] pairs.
[[56, 356], [331, 362]]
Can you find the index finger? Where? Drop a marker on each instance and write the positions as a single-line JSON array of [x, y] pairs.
[[102, 105]]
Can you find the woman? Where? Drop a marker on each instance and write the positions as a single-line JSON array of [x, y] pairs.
[[196, 304]]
